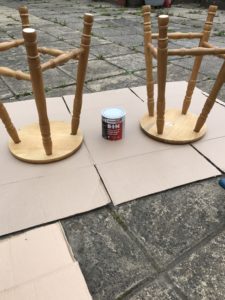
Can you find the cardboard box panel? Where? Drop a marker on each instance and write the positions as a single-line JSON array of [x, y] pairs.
[[214, 150], [32, 254], [104, 99], [32, 202], [38, 264], [175, 92], [138, 176], [135, 142], [66, 283]]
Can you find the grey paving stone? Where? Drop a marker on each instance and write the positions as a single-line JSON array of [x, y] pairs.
[[159, 289], [106, 31], [207, 85], [129, 62], [5, 94], [110, 50], [14, 58], [110, 261], [115, 82], [169, 223], [127, 40], [202, 274], [174, 73], [210, 65], [97, 69]]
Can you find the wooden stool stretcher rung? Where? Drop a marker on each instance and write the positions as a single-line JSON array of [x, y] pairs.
[[173, 126], [46, 141]]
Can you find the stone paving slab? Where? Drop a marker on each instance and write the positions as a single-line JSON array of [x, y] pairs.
[[111, 244], [116, 82], [174, 73], [210, 65], [97, 69], [109, 259], [129, 62], [158, 289], [201, 275], [165, 227]]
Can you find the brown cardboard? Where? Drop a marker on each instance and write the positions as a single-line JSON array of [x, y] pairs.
[[135, 141], [175, 92], [141, 175], [43, 199], [28, 192], [214, 150], [32, 254], [37, 264], [103, 99], [66, 283], [33, 195], [25, 112]]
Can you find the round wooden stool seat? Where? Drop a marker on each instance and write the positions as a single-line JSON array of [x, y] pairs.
[[178, 128], [31, 149]]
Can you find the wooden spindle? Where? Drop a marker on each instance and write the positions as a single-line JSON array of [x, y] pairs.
[[11, 44], [180, 35], [162, 70], [153, 50], [210, 46], [19, 75], [61, 59], [148, 58], [198, 51], [24, 16], [81, 72], [29, 35], [4, 116], [211, 99], [194, 74]]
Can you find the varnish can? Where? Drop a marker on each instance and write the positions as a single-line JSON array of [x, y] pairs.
[[113, 123]]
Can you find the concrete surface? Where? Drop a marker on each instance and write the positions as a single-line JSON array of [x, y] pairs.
[[165, 246]]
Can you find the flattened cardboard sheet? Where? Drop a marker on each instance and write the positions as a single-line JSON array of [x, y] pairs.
[[28, 191], [103, 99], [175, 93], [135, 141], [214, 150], [38, 264], [35, 201], [138, 176], [24, 112], [67, 283]]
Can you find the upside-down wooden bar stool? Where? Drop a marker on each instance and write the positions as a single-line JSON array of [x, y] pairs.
[[173, 125], [47, 141]]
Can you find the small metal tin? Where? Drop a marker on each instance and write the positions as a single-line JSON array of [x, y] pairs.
[[113, 123]]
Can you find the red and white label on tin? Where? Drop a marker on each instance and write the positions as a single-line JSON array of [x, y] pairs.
[[113, 123]]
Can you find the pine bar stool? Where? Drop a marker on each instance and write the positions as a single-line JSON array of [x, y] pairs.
[[47, 141], [172, 125]]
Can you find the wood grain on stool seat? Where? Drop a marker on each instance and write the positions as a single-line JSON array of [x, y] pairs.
[[31, 148], [178, 128]]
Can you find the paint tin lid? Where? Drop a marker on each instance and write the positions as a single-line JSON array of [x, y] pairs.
[[113, 113]]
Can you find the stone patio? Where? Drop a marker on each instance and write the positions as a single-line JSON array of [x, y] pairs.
[[170, 245]]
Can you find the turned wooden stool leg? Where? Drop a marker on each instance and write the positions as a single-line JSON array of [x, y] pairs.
[[30, 36], [162, 69], [211, 99], [148, 58], [4, 116], [81, 72], [194, 74], [24, 16]]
